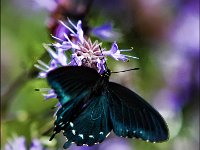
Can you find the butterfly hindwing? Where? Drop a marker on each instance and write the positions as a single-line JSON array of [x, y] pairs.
[[92, 125], [132, 116]]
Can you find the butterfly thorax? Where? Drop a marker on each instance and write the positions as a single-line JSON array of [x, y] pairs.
[[102, 83], [106, 74]]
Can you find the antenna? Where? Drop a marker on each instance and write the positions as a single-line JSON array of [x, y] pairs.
[[125, 70]]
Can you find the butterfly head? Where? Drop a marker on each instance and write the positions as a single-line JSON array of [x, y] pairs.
[[106, 74]]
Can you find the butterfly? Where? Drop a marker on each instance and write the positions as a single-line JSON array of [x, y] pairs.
[[92, 107]]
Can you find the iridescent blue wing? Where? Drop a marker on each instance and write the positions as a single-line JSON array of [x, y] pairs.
[[73, 85], [132, 116], [92, 125], [68, 82]]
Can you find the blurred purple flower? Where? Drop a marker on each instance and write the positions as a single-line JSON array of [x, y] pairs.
[[181, 66], [116, 143], [61, 9], [106, 32], [113, 143], [36, 145], [185, 41], [184, 35], [182, 71], [19, 143], [60, 30], [50, 5], [74, 147]]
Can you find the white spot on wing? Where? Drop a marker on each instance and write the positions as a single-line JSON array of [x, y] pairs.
[[101, 133], [91, 136], [71, 124], [74, 132], [81, 135]]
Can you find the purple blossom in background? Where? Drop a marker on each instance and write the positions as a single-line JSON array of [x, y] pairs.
[[50, 5], [184, 35], [182, 73], [106, 32], [184, 41], [113, 143], [36, 145], [61, 9], [84, 53], [19, 143]]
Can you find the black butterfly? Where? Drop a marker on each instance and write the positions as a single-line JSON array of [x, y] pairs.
[[92, 107]]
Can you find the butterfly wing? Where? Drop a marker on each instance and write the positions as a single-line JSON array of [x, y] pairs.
[[92, 125], [72, 84], [68, 82], [132, 116]]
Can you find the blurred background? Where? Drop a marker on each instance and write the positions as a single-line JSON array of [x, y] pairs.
[[163, 34]]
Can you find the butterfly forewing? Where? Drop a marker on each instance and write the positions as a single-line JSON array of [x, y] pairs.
[[132, 116], [68, 82]]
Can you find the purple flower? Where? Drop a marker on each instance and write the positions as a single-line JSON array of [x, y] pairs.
[[185, 35], [36, 145], [49, 5], [106, 32], [180, 67], [114, 52], [19, 143], [182, 71], [60, 9], [60, 29], [84, 53], [113, 143]]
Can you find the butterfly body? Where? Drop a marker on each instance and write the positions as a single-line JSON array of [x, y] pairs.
[[92, 107]]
